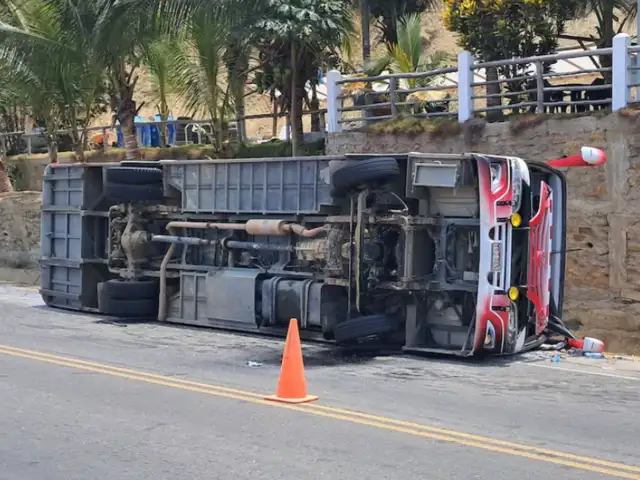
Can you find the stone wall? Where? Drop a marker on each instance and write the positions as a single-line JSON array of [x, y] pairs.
[[603, 259]]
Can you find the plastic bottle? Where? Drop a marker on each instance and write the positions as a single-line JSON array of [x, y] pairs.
[[594, 355]]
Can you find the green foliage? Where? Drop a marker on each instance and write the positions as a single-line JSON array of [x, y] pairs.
[[499, 29], [199, 67], [407, 55], [612, 17], [436, 128], [48, 47], [278, 148], [316, 28]]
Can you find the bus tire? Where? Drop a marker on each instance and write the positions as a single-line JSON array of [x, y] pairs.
[[365, 327], [355, 175], [134, 299], [133, 175]]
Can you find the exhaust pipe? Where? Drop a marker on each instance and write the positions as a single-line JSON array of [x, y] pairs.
[[252, 227]]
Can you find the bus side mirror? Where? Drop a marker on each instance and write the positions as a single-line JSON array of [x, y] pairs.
[[588, 157]]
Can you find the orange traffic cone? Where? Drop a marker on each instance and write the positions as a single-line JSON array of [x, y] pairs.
[[292, 387]]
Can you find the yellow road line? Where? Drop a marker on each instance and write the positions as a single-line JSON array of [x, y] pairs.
[[424, 431], [367, 416]]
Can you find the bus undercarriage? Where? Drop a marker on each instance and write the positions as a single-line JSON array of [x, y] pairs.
[[414, 251]]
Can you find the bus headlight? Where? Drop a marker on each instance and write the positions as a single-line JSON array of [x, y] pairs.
[[516, 184], [496, 175]]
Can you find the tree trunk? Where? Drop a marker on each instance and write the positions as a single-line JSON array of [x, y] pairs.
[[293, 111], [79, 148], [77, 138], [274, 125], [125, 109], [128, 125], [163, 111], [164, 138], [391, 25], [163, 130], [52, 149], [85, 139], [608, 32], [494, 89], [241, 123], [5, 181], [314, 107], [241, 68], [78, 145], [298, 130]]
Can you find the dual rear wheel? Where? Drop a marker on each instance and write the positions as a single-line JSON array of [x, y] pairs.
[[129, 298]]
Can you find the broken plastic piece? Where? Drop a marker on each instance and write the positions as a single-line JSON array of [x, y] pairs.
[[588, 157], [587, 344]]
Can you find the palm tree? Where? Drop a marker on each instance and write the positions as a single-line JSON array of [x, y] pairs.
[[48, 47], [31, 74], [120, 34], [297, 34], [158, 59], [407, 54], [612, 17], [237, 58], [199, 67]]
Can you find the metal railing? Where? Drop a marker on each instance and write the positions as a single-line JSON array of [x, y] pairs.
[[556, 83], [531, 85], [387, 97], [633, 69]]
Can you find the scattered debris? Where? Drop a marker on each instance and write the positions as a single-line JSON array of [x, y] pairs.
[[556, 358], [627, 358], [106, 321], [251, 363]]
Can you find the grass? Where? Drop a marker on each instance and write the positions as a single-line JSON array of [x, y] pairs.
[[436, 128], [25, 171], [273, 148], [446, 127]]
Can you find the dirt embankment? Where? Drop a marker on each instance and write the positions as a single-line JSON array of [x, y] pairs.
[[20, 237], [20, 229]]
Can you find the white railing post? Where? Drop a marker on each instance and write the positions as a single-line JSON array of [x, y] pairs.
[[465, 89], [620, 95], [334, 115]]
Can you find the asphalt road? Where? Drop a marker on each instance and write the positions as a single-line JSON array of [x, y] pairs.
[[85, 399]]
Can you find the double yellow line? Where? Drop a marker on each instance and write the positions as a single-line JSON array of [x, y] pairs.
[[434, 433]]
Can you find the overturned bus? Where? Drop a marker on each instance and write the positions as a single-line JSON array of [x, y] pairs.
[[457, 254]]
